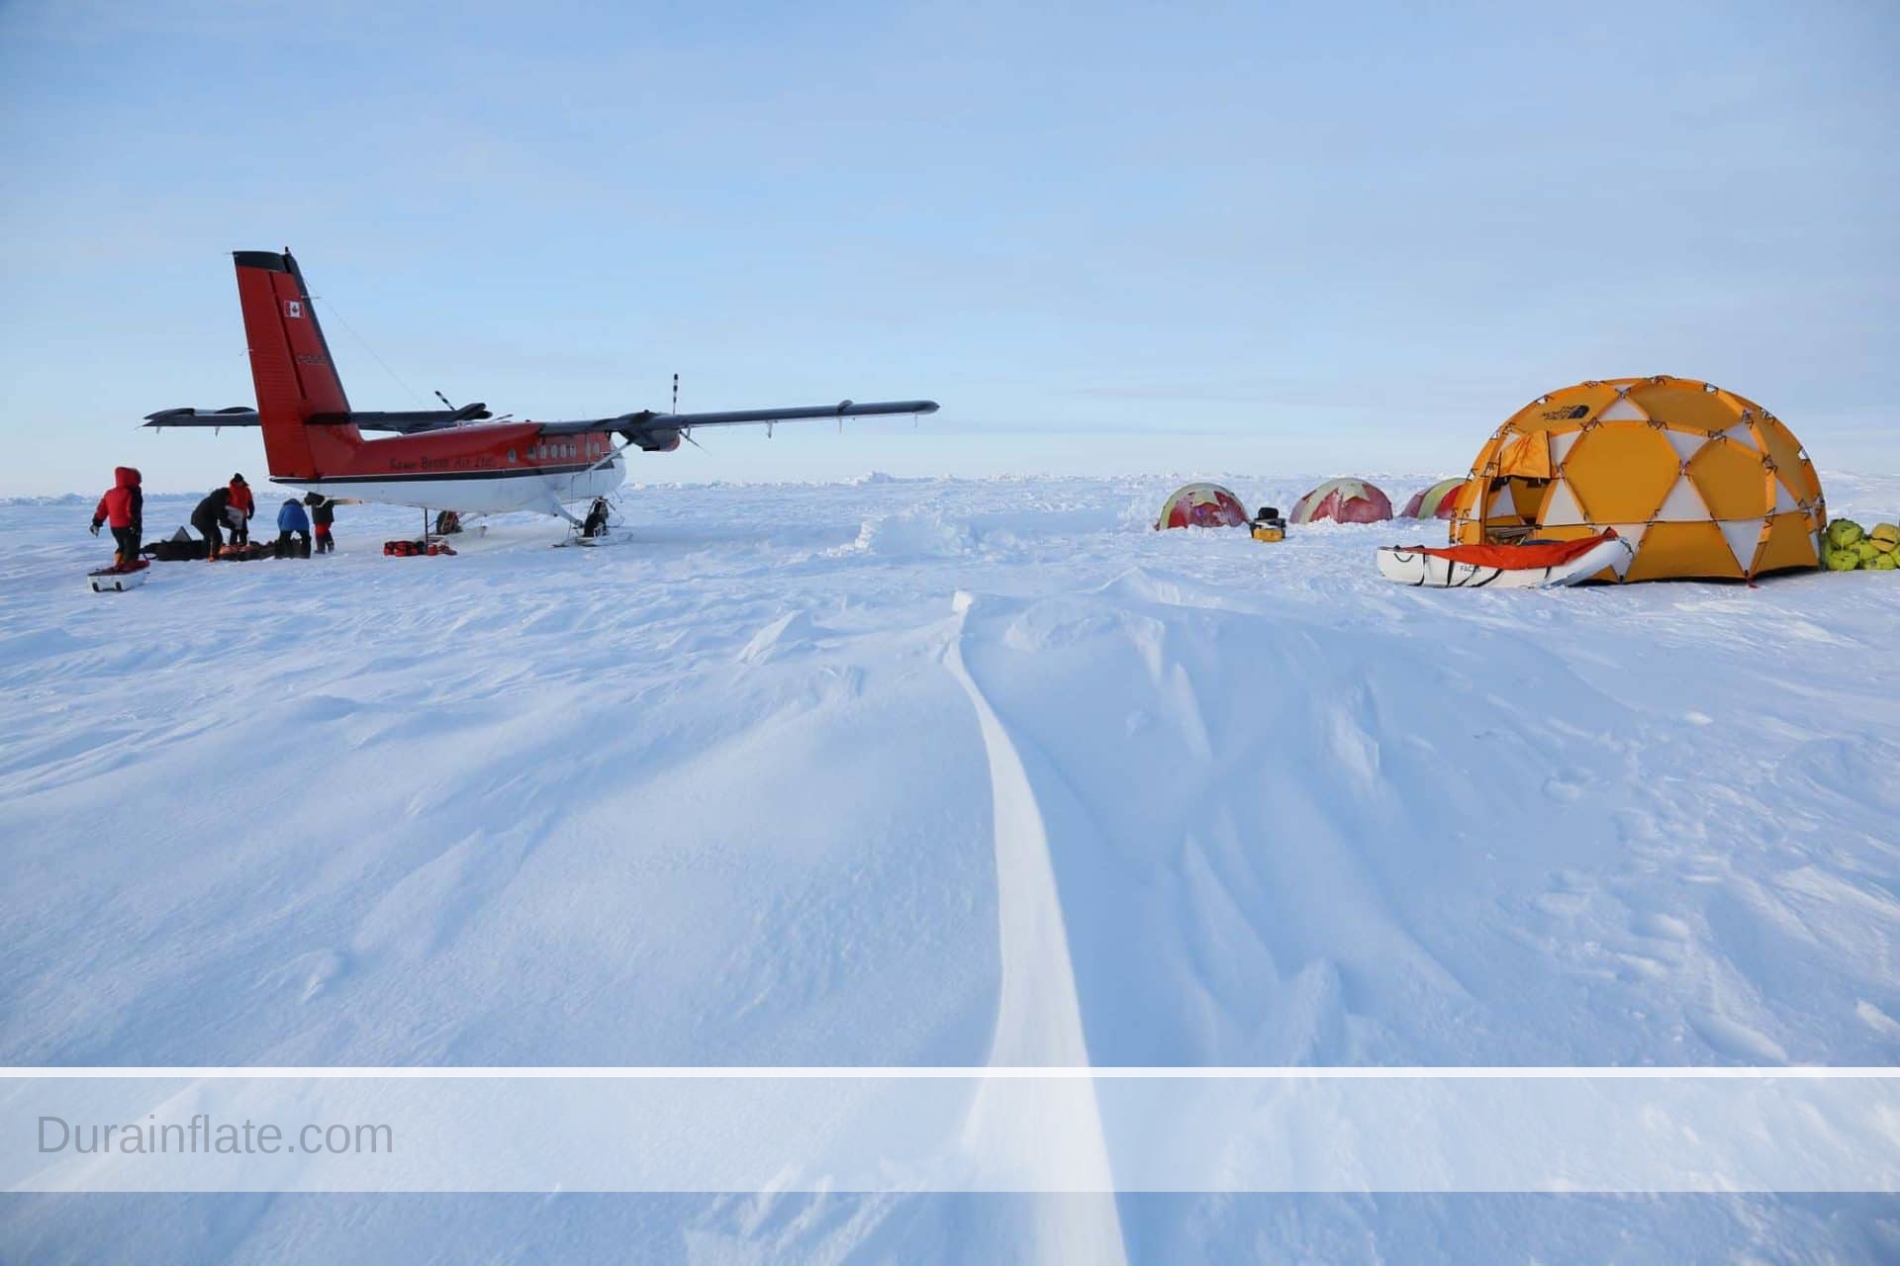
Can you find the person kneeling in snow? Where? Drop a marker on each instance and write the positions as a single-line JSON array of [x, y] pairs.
[[292, 521], [123, 507], [208, 518]]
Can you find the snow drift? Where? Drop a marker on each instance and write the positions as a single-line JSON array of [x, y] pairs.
[[938, 772]]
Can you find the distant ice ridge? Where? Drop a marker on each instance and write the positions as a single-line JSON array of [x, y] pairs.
[[61, 499]]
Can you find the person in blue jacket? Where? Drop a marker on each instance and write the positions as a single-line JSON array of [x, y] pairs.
[[292, 521]]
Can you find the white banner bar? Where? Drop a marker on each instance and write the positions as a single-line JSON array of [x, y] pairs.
[[951, 1130]]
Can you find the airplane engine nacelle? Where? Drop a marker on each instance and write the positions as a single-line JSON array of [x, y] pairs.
[[658, 441]]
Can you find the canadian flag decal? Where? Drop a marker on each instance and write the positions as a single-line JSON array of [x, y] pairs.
[[293, 308]]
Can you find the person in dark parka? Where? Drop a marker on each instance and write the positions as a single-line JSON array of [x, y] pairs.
[[322, 514], [208, 518]]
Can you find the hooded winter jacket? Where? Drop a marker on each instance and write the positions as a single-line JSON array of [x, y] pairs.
[[291, 518], [124, 505], [211, 509], [241, 498]]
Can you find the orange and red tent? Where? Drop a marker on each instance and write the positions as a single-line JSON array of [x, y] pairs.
[[1346, 500], [1435, 502], [1202, 505], [1701, 481]]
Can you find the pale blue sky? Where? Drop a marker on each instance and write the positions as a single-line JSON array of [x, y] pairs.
[[1262, 238]]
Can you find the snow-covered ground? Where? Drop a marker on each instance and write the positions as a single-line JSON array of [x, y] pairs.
[[950, 773]]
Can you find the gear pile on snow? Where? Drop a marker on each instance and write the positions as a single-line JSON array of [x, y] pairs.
[[179, 547], [1849, 547], [416, 549], [1268, 525]]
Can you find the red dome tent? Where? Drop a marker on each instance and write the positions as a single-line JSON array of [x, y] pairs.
[[1435, 502], [1202, 505], [1346, 500]]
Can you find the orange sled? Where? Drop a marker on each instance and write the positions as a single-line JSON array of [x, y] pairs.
[[1531, 566]]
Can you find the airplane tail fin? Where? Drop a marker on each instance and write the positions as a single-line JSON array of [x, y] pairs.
[[290, 364]]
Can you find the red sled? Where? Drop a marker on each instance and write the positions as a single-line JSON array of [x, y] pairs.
[[120, 576], [1530, 566]]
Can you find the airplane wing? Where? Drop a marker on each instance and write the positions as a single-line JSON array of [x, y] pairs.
[[237, 415], [644, 429], [657, 432], [410, 423]]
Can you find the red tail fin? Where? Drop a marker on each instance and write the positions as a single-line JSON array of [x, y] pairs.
[[290, 363]]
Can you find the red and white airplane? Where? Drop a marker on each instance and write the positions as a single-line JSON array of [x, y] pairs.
[[451, 459]]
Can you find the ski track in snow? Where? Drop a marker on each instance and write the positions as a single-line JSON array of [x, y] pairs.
[[1038, 1018], [719, 794]]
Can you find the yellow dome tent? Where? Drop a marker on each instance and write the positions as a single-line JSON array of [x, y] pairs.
[[1701, 481]]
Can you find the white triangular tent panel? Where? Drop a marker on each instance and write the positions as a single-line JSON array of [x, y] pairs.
[[1743, 535], [1784, 500], [1683, 504], [1741, 433], [1501, 503], [1560, 445], [1686, 443], [1561, 508], [1633, 533], [1622, 409]]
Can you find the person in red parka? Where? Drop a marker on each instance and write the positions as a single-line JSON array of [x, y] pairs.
[[246, 506], [124, 508]]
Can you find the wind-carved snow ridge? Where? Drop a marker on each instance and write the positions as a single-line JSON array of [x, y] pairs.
[[1039, 1018], [920, 533], [1038, 1013]]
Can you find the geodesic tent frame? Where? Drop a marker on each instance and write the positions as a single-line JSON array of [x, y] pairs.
[[1201, 505], [1701, 481], [1342, 500], [1436, 502]]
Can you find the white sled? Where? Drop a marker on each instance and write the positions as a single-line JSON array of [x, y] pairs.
[[113, 580], [1536, 567]]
